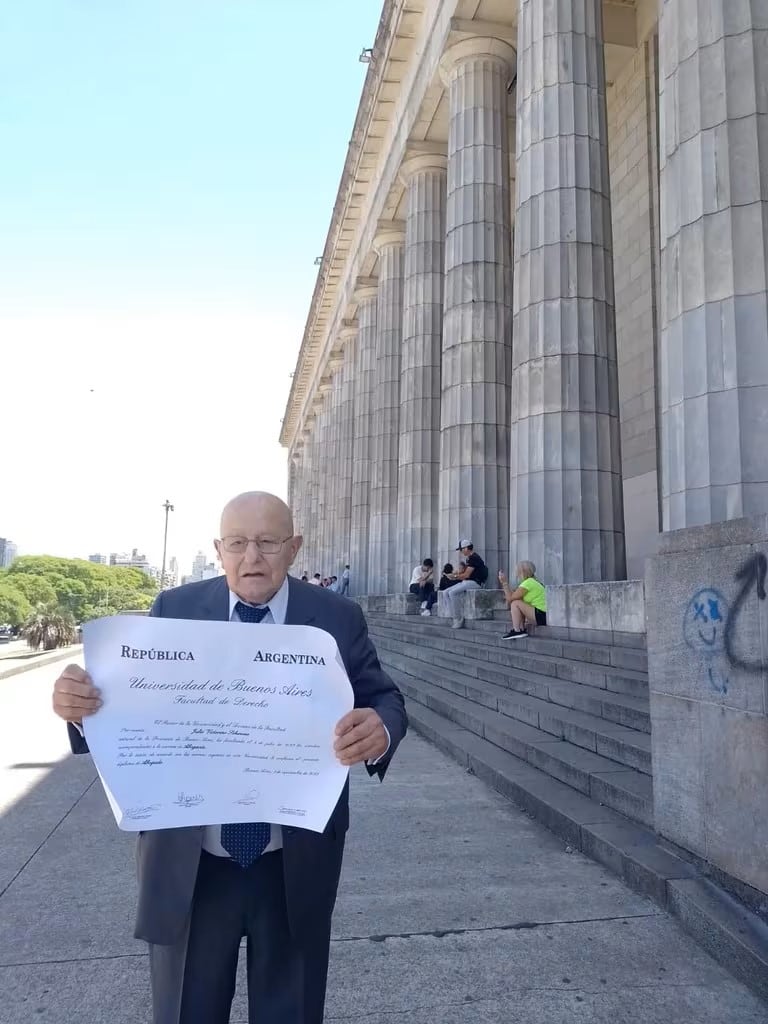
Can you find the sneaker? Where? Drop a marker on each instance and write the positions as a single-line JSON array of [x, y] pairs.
[[514, 634], [423, 606], [427, 612], [457, 624]]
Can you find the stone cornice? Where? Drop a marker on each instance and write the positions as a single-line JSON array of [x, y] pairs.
[[398, 109], [301, 384]]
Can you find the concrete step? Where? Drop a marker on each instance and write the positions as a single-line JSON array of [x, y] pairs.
[[733, 935], [528, 690], [481, 647], [623, 789], [629, 748], [542, 641], [600, 637]]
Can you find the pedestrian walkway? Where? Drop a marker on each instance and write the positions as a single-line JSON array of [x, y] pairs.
[[455, 908], [18, 656]]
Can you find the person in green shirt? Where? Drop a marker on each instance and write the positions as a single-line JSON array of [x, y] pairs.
[[527, 603]]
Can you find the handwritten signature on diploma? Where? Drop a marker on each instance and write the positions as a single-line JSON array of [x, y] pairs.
[[140, 813], [251, 797], [189, 800]]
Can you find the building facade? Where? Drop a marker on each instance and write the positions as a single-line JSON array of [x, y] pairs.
[[202, 569], [8, 552], [540, 320]]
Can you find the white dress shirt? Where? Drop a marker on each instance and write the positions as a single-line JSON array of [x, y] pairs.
[[277, 609]]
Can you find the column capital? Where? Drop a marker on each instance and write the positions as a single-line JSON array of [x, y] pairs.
[[388, 232], [473, 48], [366, 288], [348, 331], [422, 160]]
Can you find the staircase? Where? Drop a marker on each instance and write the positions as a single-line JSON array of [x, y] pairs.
[[577, 711], [560, 723]]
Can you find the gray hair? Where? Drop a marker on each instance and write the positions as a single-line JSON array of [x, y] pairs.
[[525, 570]]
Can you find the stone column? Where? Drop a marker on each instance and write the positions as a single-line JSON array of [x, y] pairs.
[[298, 500], [323, 463], [336, 469], [419, 458], [312, 533], [348, 337], [294, 473], [365, 297], [567, 511], [389, 245], [306, 481], [477, 327], [331, 477], [714, 236]]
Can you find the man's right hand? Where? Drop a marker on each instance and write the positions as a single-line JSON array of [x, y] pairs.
[[74, 695]]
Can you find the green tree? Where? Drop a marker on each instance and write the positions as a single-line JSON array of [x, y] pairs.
[[71, 593], [14, 606], [82, 588], [36, 589]]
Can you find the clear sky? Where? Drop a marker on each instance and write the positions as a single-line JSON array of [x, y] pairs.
[[167, 174]]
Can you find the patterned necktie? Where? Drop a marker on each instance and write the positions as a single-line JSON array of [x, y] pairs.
[[246, 842]]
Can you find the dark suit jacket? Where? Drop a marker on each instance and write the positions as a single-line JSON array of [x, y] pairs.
[[168, 858]]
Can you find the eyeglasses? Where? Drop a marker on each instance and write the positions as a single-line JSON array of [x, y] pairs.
[[266, 545]]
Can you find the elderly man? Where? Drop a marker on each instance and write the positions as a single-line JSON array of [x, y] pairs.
[[277, 886]]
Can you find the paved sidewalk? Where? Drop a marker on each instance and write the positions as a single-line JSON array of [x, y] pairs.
[[17, 657], [455, 908]]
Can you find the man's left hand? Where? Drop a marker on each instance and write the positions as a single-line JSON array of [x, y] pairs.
[[360, 736]]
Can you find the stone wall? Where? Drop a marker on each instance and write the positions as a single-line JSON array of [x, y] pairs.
[[707, 617], [617, 607], [632, 145]]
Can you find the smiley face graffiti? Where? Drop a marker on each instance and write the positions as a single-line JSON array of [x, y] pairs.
[[705, 620], [704, 631]]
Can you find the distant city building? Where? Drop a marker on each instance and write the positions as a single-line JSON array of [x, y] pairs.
[[135, 561], [201, 570], [8, 552], [171, 574], [98, 559]]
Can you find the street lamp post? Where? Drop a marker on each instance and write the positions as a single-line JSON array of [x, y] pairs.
[[168, 508]]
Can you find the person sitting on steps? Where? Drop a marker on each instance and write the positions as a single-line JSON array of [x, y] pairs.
[[527, 603], [471, 577], [447, 578], [423, 586]]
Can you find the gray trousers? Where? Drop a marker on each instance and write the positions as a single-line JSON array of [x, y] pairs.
[[193, 981], [454, 601]]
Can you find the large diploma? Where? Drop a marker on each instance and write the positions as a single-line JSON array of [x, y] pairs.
[[205, 723]]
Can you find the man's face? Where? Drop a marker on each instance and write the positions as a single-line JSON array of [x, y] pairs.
[[466, 552], [251, 574]]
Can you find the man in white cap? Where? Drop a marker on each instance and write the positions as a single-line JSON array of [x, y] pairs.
[[471, 577]]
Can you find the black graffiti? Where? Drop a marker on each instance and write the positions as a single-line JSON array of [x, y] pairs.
[[751, 574]]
